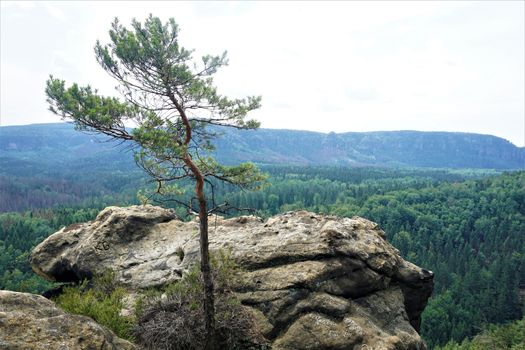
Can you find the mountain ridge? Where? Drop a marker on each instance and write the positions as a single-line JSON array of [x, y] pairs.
[[403, 148]]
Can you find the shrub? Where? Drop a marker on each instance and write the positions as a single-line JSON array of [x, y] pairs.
[[102, 300], [173, 319]]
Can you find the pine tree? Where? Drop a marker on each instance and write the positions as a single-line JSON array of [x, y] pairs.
[[172, 102]]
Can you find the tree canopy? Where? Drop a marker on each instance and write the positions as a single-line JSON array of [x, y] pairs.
[[167, 97]]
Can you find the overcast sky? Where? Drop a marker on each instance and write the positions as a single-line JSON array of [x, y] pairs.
[[324, 66]]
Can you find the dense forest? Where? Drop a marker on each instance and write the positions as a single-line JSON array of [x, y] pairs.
[[508, 336], [467, 227]]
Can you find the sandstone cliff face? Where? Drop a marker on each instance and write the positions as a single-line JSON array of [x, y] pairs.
[[29, 321], [312, 281]]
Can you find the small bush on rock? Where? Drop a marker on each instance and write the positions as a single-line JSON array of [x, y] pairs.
[[173, 319], [102, 300]]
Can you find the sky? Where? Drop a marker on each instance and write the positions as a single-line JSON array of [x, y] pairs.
[[321, 66]]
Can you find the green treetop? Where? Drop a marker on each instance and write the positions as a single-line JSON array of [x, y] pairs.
[[170, 100]]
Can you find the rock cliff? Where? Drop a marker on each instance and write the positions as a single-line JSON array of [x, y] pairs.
[[29, 321], [312, 281]]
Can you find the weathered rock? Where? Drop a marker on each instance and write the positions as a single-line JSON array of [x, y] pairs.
[[312, 281], [29, 321]]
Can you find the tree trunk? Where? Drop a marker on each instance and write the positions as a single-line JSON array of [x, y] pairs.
[[209, 302], [207, 278]]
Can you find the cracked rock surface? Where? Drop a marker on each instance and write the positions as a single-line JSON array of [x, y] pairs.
[[312, 281]]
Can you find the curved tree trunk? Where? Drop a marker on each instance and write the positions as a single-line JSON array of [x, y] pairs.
[[207, 278]]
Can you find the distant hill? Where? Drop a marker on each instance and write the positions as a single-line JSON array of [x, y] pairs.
[[40, 145], [382, 148], [58, 149]]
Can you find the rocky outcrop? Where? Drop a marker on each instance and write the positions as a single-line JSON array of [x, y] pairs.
[[29, 321], [312, 281]]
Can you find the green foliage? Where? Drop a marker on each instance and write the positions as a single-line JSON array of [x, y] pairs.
[[170, 98], [510, 336], [83, 105], [103, 302], [20, 232]]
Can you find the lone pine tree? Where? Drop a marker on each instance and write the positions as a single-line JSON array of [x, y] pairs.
[[171, 102]]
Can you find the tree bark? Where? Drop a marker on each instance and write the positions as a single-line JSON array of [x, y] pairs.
[[207, 278]]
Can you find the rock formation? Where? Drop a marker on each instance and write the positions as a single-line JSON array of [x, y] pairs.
[[312, 281], [29, 321]]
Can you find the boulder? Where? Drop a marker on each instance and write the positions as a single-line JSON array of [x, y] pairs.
[[29, 321], [312, 281]]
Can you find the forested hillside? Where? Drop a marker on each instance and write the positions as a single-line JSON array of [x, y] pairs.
[[60, 145], [388, 148], [465, 226]]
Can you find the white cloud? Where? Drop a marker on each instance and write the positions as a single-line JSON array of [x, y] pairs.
[[24, 5], [54, 11], [342, 66]]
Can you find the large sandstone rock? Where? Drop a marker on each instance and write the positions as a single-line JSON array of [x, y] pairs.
[[29, 321], [312, 281]]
